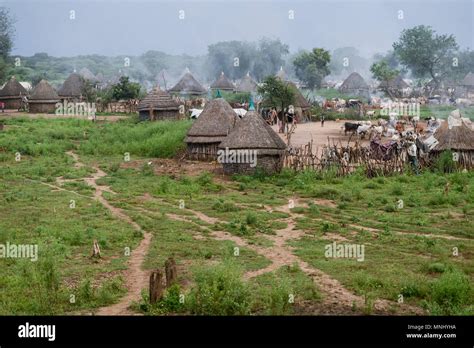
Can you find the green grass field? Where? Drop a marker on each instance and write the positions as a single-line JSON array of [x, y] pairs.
[[422, 252]]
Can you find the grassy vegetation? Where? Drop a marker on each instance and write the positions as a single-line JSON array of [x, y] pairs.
[[408, 251]]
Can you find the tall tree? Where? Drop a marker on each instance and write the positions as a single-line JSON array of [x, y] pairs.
[[312, 67], [270, 57], [125, 89], [278, 94], [6, 39], [382, 72], [426, 53]]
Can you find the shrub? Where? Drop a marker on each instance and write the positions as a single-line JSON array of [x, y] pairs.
[[444, 163], [450, 292], [219, 290]]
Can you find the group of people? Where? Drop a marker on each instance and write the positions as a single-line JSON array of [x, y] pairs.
[[274, 117]]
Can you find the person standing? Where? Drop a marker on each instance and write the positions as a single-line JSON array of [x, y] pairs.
[[412, 156], [322, 120]]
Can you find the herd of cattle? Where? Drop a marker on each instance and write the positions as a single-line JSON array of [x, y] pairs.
[[341, 105]]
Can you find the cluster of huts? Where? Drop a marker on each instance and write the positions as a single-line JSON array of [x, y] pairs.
[[219, 129], [43, 97]]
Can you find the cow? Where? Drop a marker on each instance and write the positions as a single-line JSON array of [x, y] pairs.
[[350, 127]]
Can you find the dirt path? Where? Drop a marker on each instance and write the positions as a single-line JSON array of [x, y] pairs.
[[280, 254], [135, 277]]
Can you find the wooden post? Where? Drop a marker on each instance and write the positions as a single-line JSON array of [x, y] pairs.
[[156, 286], [171, 272], [95, 249]]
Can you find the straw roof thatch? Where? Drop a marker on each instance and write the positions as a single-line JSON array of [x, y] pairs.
[[395, 83], [72, 87], [223, 83], [459, 138], [43, 92], [158, 99], [281, 74], [12, 88], [88, 75], [468, 80], [188, 85], [254, 133], [354, 82], [215, 122], [247, 84], [300, 100]]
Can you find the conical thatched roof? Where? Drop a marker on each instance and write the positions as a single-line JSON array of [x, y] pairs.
[[43, 92], [13, 88], [457, 138], [72, 87], [223, 83], [247, 84], [215, 122], [354, 82], [468, 80], [87, 74], [188, 85], [395, 83], [100, 77], [281, 74], [158, 99], [254, 133], [300, 100]]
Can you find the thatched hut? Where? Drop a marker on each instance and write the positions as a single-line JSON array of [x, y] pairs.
[[88, 75], [467, 85], [301, 105], [457, 136], [215, 122], [43, 99], [394, 86], [223, 84], [355, 85], [72, 88], [247, 85], [188, 86], [158, 105], [281, 74], [252, 145], [12, 93]]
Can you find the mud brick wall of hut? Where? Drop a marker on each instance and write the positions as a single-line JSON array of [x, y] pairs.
[[160, 115], [42, 108], [268, 163], [12, 103], [202, 151]]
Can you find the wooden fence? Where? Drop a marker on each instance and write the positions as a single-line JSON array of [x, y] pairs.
[[346, 159]]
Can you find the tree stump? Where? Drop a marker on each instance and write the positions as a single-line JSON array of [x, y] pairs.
[[171, 272], [156, 286], [95, 249]]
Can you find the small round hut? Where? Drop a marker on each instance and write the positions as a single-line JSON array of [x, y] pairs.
[[215, 122], [247, 85], [301, 105], [281, 74], [355, 85], [43, 99], [223, 84], [88, 75], [252, 145], [467, 85], [188, 87], [72, 88], [158, 105], [12, 93], [455, 135], [394, 87]]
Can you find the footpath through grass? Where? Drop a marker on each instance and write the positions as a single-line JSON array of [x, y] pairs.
[[422, 251]]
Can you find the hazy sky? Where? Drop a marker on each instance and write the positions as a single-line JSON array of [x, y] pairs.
[[113, 27]]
